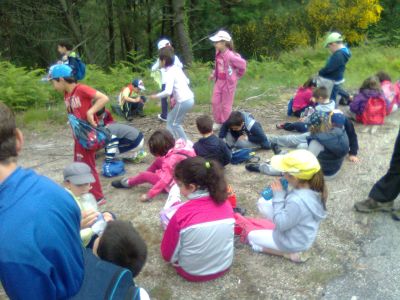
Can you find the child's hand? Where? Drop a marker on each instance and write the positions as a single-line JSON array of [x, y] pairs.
[[144, 198], [152, 97], [90, 118], [211, 77], [276, 186], [108, 217], [88, 218], [354, 158]]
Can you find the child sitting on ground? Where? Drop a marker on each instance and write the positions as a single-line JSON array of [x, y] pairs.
[[241, 130], [130, 101], [370, 88], [124, 139], [198, 240], [77, 180], [210, 146], [160, 174], [122, 245], [303, 98], [296, 213], [323, 104], [389, 90]]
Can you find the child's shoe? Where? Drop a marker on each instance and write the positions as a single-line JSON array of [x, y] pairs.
[[275, 148], [280, 126], [253, 167], [161, 118], [370, 205], [137, 159], [121, 183]]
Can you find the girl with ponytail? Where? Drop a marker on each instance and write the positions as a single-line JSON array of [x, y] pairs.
[[198, 240]]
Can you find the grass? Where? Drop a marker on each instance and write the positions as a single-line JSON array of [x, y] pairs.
[[264, 80]]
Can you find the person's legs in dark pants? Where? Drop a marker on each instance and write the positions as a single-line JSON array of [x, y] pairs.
[[164, 105]]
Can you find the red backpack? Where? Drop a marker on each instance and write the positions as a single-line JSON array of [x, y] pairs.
[[374, 112]]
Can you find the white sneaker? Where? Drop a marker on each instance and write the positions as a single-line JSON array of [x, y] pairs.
[[161, 118], [216, 126]]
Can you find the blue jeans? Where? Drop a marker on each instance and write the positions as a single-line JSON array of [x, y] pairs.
[[176, 116]]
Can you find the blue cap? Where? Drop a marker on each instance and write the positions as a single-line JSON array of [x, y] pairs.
[[138, 83], [338, 119], [60, 71]]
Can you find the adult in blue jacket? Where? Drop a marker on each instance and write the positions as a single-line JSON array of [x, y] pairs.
[[336, 64], [41, 255]]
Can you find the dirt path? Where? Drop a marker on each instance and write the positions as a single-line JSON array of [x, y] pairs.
[[252, 276]]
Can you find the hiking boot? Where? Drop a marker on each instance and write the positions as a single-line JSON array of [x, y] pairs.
[[253, 167], [137, 159], [370, 205], [275, 148], [161, 118], [120, 183], [396, 214]]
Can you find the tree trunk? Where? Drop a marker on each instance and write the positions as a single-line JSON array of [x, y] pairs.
[[69, 16], [181, 31], [149, 28], [111, 31]]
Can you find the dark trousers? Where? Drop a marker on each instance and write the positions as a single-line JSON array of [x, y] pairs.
[[296, 126], [131, 109], [388, 187], [164, 105]]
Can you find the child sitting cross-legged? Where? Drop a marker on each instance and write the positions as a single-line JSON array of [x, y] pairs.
[[198, 240], [241, 130], [296, 213], [210, 146], [77, 180], [303, 97], [168, 153]]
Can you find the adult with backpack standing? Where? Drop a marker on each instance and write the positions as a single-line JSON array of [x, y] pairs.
[[82, 102], [336, 64], [71, 58]]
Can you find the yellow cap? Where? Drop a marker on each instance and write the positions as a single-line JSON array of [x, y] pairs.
[[302, 164]]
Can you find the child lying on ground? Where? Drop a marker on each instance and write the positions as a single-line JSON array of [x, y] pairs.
[[297, 213]]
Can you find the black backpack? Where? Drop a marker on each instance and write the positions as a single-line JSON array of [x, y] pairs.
[[104, 280]]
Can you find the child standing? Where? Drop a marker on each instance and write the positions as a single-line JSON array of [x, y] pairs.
[[297, 213], [164, 101], [130, 101], [160, 174], [176, 84], [229, 67], [83, 102], [210, 146], [198, 240]]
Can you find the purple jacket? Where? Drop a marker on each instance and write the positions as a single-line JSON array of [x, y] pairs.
[[357, 106]]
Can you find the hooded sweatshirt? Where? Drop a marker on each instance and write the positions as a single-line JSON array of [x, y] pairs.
[[297, 215], [360, 100], [336, 65], [40, 247], [336, 147], [212, 147]]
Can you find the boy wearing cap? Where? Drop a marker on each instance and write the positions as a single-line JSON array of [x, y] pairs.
[[40, 248], [130, 100], [77, 180], [164, 101], [336, 64], [229, 67], [83, 102]]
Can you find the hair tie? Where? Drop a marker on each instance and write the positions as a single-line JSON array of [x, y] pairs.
[[208, 165]]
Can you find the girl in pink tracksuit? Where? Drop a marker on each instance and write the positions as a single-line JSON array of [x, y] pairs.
[[168, 153], [198, 240], [229, 67]]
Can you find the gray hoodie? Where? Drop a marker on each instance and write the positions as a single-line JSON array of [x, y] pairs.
[[297, 216]]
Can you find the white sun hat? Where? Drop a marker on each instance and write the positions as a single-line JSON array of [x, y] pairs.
[[221, 36]]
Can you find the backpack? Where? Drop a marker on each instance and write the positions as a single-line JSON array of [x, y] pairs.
[[89, 137], [104, 280], [374, 112], [113, 168], [244, 155], [78, 66]]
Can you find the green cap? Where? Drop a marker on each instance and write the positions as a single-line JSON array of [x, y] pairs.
[[333, 37]]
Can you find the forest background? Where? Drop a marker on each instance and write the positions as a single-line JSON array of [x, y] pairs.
[[118, 40]]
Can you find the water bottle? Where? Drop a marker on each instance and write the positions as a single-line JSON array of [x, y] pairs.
[[88, 201], [267, 192]]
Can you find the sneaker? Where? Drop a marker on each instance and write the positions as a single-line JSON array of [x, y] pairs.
[[135, 160], [370, 205], [161, 118], [253, 167], [396, 214], [120, 183], [275, 148], [216, 126]]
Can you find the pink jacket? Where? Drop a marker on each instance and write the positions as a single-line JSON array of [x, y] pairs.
[[195, 257], [302, 98], [234, 66], [164, 166]]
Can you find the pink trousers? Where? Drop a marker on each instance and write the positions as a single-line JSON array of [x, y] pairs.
[[144, 177], [222, 100]]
